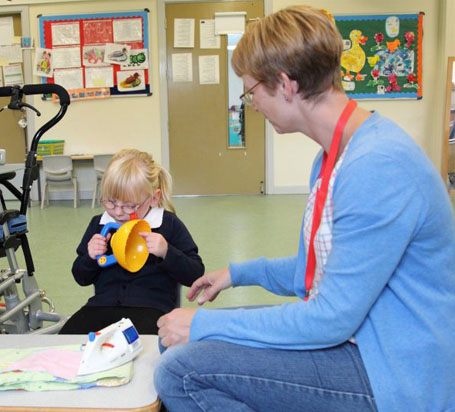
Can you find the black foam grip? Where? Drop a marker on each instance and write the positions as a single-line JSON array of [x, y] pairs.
[[6, 91], [47, 88]]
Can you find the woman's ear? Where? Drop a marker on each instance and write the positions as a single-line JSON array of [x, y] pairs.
[[287, 87], [156, 198]]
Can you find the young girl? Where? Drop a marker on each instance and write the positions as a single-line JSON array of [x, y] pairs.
[[134, 186]]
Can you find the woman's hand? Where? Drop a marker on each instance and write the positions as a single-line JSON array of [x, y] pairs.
[[174, 327], [97, 245], [156, 243], [211, 284]]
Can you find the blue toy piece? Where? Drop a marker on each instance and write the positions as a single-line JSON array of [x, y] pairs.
[[107, 260]]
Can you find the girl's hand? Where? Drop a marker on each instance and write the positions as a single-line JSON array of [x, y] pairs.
[[211, 284], [156, 243], [97, 245]]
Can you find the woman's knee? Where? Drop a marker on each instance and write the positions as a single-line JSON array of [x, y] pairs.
[[168, 374], [174, 364]]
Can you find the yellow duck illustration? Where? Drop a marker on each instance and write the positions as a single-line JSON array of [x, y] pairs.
[[372, 61], [353, 59]]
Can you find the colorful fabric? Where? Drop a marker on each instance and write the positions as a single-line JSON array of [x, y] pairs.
[[54, 368]]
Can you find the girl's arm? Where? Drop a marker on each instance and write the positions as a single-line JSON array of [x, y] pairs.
[[182, 260], [85, 269]]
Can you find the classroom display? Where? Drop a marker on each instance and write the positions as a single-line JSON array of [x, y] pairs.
[[382, 55], [95, 55]]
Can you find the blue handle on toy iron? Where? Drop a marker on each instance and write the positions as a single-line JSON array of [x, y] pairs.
[[107, 260]]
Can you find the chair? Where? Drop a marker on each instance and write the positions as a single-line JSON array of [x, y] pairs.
[[100, 163], [58, 170]]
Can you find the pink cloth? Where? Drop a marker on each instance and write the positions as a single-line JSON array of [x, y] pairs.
[[58, 362]]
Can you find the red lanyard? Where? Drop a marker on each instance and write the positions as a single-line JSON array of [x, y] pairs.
[[328, 163]]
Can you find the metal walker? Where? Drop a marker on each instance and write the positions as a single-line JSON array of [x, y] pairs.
[[24, 315]]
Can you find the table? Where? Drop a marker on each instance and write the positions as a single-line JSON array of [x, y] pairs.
[[139, 395], [16, 181], [11, 167]]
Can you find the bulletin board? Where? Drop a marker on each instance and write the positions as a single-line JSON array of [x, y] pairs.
[[382, 55], [95, 55]]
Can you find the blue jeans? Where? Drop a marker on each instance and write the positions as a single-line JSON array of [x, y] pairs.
[[219, 376]]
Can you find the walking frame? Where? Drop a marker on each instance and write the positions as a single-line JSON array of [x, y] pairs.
[[24, 314]]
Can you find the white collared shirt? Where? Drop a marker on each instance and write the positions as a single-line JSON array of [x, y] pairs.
[[154, 217]]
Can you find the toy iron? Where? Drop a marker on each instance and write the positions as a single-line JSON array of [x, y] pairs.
[[110, 347]]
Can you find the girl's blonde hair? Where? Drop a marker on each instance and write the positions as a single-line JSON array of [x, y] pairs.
[[131, 173], [300, 41]]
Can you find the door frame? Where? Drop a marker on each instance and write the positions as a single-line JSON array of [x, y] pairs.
[[27, 59], [164, 102]]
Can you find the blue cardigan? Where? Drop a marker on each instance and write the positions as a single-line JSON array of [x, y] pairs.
[[389, 280]]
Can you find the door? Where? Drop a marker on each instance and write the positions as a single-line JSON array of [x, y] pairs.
[[201, 160], [12, 137]]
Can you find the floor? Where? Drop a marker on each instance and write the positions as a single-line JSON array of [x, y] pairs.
[[226, 228]]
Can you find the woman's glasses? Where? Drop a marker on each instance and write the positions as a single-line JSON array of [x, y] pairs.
[[247, 97], [127, 209]]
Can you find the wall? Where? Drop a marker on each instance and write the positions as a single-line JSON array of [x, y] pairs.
[[106, 125], [101, 126], [421, 118]]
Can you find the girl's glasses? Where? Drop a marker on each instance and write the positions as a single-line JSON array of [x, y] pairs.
[[247, 97], [127, 209]]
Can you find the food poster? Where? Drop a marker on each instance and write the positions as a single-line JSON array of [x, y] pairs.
[[97, 49], [130, 80], [382, 56]]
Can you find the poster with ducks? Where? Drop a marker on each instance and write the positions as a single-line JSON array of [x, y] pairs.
[[382, 57]]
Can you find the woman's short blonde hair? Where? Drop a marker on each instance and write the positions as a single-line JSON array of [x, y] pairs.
[[300, 41], [131, 175]]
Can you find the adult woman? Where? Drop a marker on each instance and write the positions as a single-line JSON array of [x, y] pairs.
[[375, 267]]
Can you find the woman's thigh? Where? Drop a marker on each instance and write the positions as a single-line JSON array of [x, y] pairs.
[[216, 376]]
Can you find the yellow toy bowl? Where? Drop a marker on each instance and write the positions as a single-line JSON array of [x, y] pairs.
[[128, 247]]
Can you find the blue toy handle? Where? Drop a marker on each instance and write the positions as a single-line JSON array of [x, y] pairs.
[[107, 260], [108, 226]]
